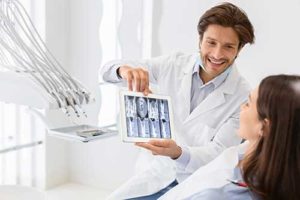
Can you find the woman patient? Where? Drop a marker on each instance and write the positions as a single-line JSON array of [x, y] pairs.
[[267, 165]]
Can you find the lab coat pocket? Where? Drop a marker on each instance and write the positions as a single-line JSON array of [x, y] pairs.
[[212, 123], [203, 135]]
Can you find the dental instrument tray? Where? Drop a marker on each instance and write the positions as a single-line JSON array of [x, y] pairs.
[[84, 133]]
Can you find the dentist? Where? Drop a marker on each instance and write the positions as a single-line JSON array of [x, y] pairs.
[[207, 91]]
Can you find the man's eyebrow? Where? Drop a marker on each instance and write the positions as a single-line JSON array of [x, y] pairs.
[[210, 38], [228, 43]]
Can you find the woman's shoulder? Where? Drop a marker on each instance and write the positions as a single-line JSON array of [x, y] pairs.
[[227, 192]]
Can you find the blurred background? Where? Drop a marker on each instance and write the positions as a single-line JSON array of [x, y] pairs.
[[83, 35]]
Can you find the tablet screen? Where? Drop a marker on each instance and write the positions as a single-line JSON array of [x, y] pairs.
[[145, 117]]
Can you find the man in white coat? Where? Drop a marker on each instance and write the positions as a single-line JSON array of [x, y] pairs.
[[206, 90]]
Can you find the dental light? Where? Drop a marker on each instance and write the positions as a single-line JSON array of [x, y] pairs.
[[23, 52]]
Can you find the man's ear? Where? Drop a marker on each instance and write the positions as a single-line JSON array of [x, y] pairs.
[[199, 43], [199, 46], [238, 52]]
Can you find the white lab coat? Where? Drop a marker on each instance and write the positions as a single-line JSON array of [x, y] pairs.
[[206, 132], [213, 175]]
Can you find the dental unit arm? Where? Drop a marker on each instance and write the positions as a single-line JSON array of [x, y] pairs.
[[30, 75]]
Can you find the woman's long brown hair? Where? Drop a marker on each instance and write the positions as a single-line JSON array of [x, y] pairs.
[[272, 170]]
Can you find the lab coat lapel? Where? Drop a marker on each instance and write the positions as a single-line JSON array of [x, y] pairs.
[[217, 97], [213, 100], [184, 92]]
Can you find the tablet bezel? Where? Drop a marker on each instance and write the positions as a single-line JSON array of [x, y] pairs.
[[123, 116]]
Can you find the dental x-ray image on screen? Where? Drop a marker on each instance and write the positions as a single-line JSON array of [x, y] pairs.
[[145, 117]]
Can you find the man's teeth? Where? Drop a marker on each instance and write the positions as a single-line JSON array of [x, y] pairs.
[[216, 62]]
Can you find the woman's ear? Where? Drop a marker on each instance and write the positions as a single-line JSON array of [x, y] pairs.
[[265, 127]]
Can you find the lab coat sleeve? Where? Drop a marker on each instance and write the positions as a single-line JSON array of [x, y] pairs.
[[155, 66], [226, 136], [183, 159]]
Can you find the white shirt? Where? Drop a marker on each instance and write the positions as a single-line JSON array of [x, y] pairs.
[[199, 92]]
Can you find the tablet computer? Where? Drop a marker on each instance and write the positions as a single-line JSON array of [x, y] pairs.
[[145, 117]]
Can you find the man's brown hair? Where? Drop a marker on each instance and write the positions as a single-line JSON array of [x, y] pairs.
[[228, 15]]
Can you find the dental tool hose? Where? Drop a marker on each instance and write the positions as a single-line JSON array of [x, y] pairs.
[[22, 50]]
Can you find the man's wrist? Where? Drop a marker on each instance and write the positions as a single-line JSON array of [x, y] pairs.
[[178, 153]]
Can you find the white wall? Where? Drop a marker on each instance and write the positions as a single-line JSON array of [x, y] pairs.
[[276, 26], [72, 34]]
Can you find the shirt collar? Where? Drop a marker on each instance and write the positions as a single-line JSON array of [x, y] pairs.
[[217, 80]]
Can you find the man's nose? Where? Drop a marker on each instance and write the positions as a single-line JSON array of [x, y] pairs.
[[218, 52]]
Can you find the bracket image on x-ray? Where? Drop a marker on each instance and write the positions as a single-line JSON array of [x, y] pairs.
[[30, 75]]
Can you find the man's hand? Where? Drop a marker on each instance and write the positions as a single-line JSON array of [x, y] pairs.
[[137, 79], [162, 147]]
